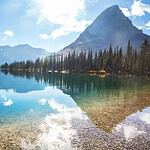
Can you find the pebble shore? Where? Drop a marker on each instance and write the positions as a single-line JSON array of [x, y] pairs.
[[89, 138], [92, 138], [11, 135]]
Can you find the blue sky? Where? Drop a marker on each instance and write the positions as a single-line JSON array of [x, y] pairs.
[[53, 24]]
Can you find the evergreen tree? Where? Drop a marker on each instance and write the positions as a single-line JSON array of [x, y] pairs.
[[111, 60], [145, 58]]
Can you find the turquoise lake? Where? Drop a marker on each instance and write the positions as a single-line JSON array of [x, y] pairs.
[[60, 111]]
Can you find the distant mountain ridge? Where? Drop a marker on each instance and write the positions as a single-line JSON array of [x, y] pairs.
[[111, 26], [20, 53]]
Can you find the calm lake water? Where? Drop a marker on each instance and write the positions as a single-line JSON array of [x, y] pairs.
[[67, 112]]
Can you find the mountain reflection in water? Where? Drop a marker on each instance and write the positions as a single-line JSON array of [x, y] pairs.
[[117, 107]]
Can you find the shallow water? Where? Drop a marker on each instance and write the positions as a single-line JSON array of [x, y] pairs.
[[53, 112]]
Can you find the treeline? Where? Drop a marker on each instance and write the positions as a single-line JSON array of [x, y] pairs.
[[111, 60]]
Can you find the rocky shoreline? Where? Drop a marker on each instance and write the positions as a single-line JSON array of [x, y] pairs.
[[92, 138], [11, 135], [88, 137]]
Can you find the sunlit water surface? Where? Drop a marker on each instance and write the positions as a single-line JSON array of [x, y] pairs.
[[65, 112]]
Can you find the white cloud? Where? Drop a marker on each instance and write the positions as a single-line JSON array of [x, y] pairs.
[[8, 102], [42, 101], [140, 27], [73, 27], [145, 117], [7, 34], [62, 13], [137, 9], [56, 106], [57, 130], [44, 36], [4, 97], [147, 25], [131, 132], [126, 12]]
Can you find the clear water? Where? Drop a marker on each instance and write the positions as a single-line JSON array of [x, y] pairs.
[[45, 107], [22, 99]]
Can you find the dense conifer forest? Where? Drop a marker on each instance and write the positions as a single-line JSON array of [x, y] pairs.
[[134, 62]]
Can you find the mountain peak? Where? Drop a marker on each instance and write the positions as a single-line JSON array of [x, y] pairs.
[[23, 45], [111, 26], [112, 8], [112, 13], [21, 52]]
